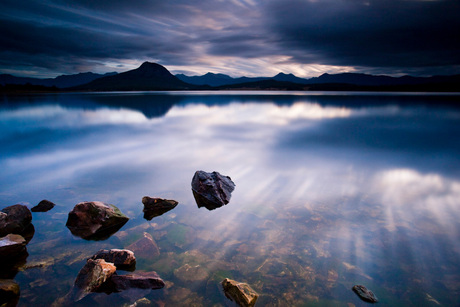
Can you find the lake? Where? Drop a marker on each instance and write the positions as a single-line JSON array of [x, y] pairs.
[[332, 190]]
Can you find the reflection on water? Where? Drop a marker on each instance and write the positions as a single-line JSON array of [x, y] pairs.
[[333, 190]]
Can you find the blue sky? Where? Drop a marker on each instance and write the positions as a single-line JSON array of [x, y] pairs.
[[47, 38]]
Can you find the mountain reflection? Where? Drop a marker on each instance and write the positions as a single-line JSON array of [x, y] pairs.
[[333, 190]]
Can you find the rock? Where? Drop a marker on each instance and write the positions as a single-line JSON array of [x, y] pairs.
[[123, 259], [139, 280], [9, 292], [156, 206], [95, 220], [94, 274], [211, 190], [11, 245], [43, 206], [241, 293], [145, 247], [365, 294], [187, 273], [14, 219]]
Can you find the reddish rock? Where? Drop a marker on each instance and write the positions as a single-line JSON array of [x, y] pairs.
[[43, 206], [95, 220], [145, 247], [138, 280], [157, 206], [239, 292], [211, 190], [11, 245], [14, 219], [122, 258]]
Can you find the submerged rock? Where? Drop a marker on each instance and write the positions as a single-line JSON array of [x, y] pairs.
[[157, 206], [14, 219], [365, 294], [145, 247], [188, 273], [43, 206], [123, 259], [94, 274], [211, 190], [138, 280], [9, 292], [11, 245], [95, 220], [239, 292]]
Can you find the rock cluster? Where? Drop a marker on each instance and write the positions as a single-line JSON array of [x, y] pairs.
[[211, 190]]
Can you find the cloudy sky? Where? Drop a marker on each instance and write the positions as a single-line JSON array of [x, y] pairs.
[[46, 38]]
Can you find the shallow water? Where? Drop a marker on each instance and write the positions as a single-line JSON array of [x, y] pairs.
[[332, 190]]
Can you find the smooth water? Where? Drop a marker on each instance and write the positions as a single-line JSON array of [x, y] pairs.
[[332, 190]]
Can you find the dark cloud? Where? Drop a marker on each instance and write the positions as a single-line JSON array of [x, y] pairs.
[[57, 36]]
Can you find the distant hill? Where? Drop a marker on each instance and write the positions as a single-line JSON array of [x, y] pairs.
[[63, 81], [147, 77]]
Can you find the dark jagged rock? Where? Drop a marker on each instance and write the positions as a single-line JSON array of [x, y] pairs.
[[43, 206], [157, 206], [95, 220], [123, 259], [94, 274], [145, 247], [9, 292], [365, 294], [239, 292], [14, 219], [11, 245], [211, 190], [138, 280]]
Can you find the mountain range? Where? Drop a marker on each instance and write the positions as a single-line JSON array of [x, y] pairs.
[[151, 77]]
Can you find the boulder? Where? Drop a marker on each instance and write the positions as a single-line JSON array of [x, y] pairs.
[[14, 219], [157, 206], [9, 292], [93, 274], [123, 259], [138, 280], [365, 294], [240, 293], [11, 245], [43, 206], [211, 190], [95, 220], [145, 247]]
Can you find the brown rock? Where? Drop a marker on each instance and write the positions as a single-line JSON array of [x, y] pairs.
[[43, 206], [121, 258], [9, 292], [139, 280], [95, 220], [11, 245], [241, 293], [211, 190], [145, 247], [188, 273], [365, 294], [157, 206], [14, 219]]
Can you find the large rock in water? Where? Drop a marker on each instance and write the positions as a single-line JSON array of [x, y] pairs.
[[90, 278], [123, 259], [11, 245], [43, 206], [211, 190], [95, 220], [156, 206], [365, 294], [239, 292], [14, 219], [138, 280]]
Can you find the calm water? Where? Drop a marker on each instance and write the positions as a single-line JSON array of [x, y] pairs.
[[332, 190]]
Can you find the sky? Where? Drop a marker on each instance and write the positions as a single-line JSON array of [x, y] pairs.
[[47, 38]]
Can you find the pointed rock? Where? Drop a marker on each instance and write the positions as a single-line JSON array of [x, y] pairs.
[[239, 292], [157, 206], [211, 190], [145, 247]]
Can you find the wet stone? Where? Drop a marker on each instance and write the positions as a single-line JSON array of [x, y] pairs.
[[211, 190], [188, 273], [138, 280], [157, 206], [14, 219], [9, 292], [43, 206], [365, 294], [123, 259], [145, 247], [95, 220], [11, 245], [240, 293]]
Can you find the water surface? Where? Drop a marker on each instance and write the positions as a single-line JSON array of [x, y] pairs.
[[332, 190]]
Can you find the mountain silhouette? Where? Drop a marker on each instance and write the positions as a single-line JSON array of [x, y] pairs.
[[62, 81], [147, 77]]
